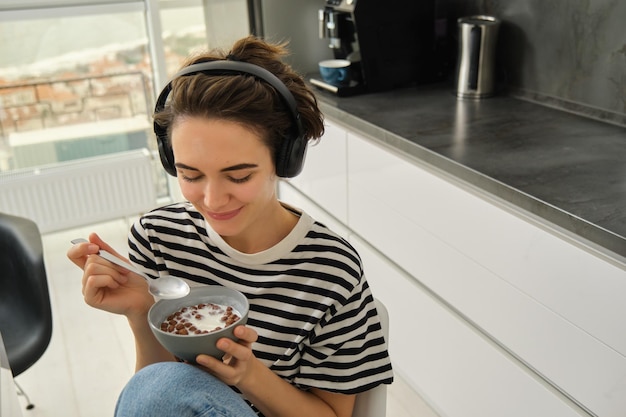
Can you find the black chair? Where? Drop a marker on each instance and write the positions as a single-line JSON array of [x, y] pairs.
[[25, 310]]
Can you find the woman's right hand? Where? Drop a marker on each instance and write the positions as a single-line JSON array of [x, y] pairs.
[[107, 286]]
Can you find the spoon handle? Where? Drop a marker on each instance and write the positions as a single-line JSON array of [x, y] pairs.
[[117, 261], [112, 258]]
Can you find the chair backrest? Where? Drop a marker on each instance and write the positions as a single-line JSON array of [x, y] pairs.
[[373, 403], [25, 310]]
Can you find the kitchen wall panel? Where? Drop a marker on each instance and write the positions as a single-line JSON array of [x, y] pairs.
[[570, 54]]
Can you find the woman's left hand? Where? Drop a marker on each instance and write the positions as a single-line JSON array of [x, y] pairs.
[[238, 361], [270, 394]]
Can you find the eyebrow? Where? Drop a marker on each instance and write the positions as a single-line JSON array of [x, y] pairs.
[[227, 169]]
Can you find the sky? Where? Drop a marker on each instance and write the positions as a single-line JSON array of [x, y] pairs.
[[50, 42]]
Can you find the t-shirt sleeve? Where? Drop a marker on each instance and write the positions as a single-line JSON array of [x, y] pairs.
[[347, 351]]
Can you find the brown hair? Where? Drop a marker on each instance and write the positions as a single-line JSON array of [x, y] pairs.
[[242, 98]]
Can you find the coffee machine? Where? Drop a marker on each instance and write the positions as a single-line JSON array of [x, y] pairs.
[[389, 43]]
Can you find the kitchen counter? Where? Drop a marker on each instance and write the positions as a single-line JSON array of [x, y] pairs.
[[567, 169]]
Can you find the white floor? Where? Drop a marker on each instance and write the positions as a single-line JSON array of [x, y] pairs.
[[91, 354]]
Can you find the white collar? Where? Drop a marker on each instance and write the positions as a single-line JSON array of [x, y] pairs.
[[274, 253]]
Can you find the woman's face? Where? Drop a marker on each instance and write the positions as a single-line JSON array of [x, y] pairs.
[[227, 173]]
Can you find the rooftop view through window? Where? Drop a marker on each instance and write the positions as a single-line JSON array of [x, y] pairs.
[[77, 90], [90, 71]]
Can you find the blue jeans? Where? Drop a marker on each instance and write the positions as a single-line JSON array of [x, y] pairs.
[[175, 389]]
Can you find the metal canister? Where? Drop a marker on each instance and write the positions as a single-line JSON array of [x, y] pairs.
[[476, 57]]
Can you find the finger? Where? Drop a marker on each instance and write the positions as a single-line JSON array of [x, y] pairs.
[[216, 367], [99, 266], [96, 288], [245, 334], [240, 349], [95, 238], [209, 362], [78, 253], [94, 283], [237, 350], [227, 346]]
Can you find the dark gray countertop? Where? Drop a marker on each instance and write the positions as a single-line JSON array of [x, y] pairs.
[[564, 168]]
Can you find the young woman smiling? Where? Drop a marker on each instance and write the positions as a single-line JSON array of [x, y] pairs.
[[228, 127]]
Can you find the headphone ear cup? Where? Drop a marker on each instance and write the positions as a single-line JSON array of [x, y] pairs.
[[290, 157], [165, 151]]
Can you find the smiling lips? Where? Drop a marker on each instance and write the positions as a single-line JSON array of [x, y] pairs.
[[227, 215]]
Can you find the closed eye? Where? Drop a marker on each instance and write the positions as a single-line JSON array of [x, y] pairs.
[[189, 179], [240, 180]]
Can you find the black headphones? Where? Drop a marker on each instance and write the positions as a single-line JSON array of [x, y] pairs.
[[289, 156]]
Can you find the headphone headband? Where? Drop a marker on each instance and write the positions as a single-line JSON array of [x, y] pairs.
[[290, 156]]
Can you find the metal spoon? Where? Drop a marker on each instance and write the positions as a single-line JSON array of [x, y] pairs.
[[162, 287]]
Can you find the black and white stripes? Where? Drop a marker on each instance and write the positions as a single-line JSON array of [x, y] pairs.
[[309, 300]]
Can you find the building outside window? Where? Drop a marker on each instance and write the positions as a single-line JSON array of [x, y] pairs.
[[78, 78]]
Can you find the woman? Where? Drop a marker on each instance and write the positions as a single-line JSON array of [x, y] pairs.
[[228, 130]]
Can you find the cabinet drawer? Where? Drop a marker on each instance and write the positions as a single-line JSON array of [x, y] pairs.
[[553, 304], [324, 176], [456, 369]]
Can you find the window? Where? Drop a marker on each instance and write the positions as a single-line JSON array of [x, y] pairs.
[[73, 86], [194, 25], [80, 78]]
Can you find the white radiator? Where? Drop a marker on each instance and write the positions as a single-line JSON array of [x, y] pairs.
[[82, 192]]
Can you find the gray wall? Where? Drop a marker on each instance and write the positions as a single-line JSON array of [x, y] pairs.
[[295, 21], [570, 54], [566, 53]]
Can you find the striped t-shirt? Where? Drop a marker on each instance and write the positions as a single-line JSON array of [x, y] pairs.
[[309, 300]]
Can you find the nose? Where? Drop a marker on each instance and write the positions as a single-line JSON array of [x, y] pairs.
[[215, 196]]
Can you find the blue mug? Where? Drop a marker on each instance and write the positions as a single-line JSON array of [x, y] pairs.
[[335, 71]]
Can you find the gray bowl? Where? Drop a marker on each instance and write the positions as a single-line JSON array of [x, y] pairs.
[[187, 347]]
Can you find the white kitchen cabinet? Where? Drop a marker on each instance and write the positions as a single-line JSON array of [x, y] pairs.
[[290, 194], [324, 176], [455, 369], [551, 305], [493, 312], [425, 337]]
